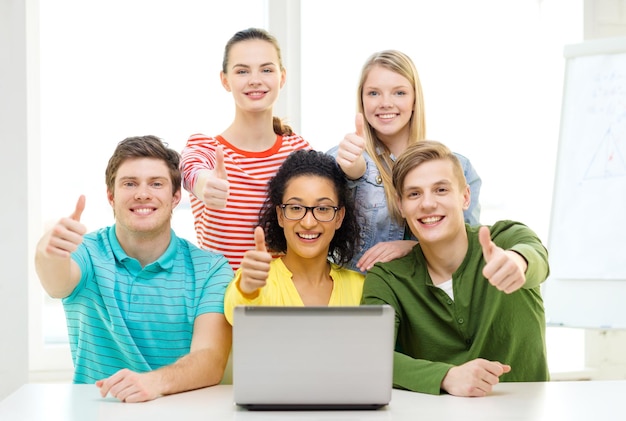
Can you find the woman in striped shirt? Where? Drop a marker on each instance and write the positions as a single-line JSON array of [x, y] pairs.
[[227, 175]]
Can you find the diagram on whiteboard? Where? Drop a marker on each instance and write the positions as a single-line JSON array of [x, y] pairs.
[[588, 226], [608, 160], [608, 103], [587, 238]]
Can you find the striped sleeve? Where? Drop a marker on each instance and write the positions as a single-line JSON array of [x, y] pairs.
[[230, 231]]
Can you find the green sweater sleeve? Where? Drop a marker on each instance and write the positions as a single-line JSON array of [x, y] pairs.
[[418, 375], [518, 237]]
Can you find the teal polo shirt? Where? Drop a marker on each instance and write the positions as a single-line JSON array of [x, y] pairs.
[[121, 315]]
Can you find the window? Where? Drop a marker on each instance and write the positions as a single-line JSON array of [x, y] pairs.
[[113, 69]]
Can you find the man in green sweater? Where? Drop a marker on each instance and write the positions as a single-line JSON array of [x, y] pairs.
[[469, 311]]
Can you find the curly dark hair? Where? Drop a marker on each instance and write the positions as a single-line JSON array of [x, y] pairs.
[[310, 162]]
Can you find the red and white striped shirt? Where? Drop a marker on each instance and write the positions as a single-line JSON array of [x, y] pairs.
[[230, 231]]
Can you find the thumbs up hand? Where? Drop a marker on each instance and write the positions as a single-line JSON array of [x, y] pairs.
[[215, 191], [504, 269], [67, 234], [255, 266], [350, 151]]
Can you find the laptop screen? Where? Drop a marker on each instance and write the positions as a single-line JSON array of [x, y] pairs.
[[313, 357]]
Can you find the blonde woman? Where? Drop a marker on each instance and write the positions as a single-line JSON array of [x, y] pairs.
[[390, 117]]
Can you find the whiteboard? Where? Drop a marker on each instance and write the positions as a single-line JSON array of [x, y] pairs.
[[587, 236]]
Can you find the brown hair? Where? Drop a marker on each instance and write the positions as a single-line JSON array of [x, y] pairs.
[[261, 34], [143, 147]]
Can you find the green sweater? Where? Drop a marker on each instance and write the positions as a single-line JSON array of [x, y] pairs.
[[435, 333]]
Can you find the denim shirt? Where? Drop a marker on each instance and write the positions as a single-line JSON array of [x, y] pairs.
[[373, 215]]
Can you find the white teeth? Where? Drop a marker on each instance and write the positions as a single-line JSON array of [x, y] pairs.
[[386, 115], [431, 219], [308, 236], [143, 210]]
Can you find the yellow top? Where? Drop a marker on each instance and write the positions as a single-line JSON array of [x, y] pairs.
[[280, 290]]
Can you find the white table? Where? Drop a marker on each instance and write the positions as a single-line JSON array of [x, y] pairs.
[[554, 401]]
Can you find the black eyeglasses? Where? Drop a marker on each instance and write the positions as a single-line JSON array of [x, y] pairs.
[[297, 212]]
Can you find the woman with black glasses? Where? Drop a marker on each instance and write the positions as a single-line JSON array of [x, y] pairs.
[[307, 231]]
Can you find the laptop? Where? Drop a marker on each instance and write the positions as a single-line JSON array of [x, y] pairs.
[[300, 358]]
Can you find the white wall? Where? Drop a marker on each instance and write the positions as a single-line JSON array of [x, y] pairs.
[[14, 208], [604, 18]]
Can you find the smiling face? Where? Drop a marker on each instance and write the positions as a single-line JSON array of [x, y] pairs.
[[432, 201], [388, 100], [309, 238], [142, 199], [254, 75]]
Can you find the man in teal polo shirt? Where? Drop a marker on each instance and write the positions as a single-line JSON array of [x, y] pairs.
[[144, 308], [469, 311]]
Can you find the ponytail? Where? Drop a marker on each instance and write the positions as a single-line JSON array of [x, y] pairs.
[[280, 128]]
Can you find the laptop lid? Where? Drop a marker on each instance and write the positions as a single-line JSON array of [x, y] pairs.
[[313, 357]]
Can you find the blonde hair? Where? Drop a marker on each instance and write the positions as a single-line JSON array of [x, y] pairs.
[[419, 153], [402, 64]]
